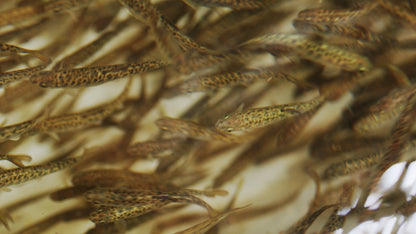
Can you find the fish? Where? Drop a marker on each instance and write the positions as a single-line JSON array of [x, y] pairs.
[[387, 108], [349, 166], [24, 174], [235, 4], [400, 136], [94, 116], [154, 148], [332, 16], [260, 117], [334, 222], [16, 159], [306, 222], [115, 204], [83, 53], [16, 130], [13, 76], [193, 130], [131, 197], [229, 79], [9, 50], [316, 51], [113, 214], [91, 76]]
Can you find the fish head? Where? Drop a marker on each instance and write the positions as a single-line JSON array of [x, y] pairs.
[[44, 79], [229, 123]]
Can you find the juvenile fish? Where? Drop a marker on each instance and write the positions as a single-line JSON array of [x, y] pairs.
[[385, 109], [117, 204], [259, 117], [235, 4], [326, 148], [319, 52], [133, 197], [334, 222], [145, 12], [352, 31], [330, 16], [350, 166], [184, 42], [154, 148], [193, 130], [113, 214], [307, 221], [83, 119], [324, 53], [88, 50], [16, 159], [9, 50], [12, 76], [23, 174], [232, 79], [16, 130], [122, 196], [400, 136], [163, 29], [91, 76]]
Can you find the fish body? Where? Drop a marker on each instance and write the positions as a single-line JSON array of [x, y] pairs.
[[350, 166], [234, 4], [319, 52], [15, 130], [193, 130], [259, 117], [232, 79], [91, 76], [113, 214], [385, 109], [325, 16], [12, 76], [23, 174], [9, 50]]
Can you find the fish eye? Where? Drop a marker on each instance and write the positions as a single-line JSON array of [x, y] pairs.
[[43, 84], [229, 129]]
